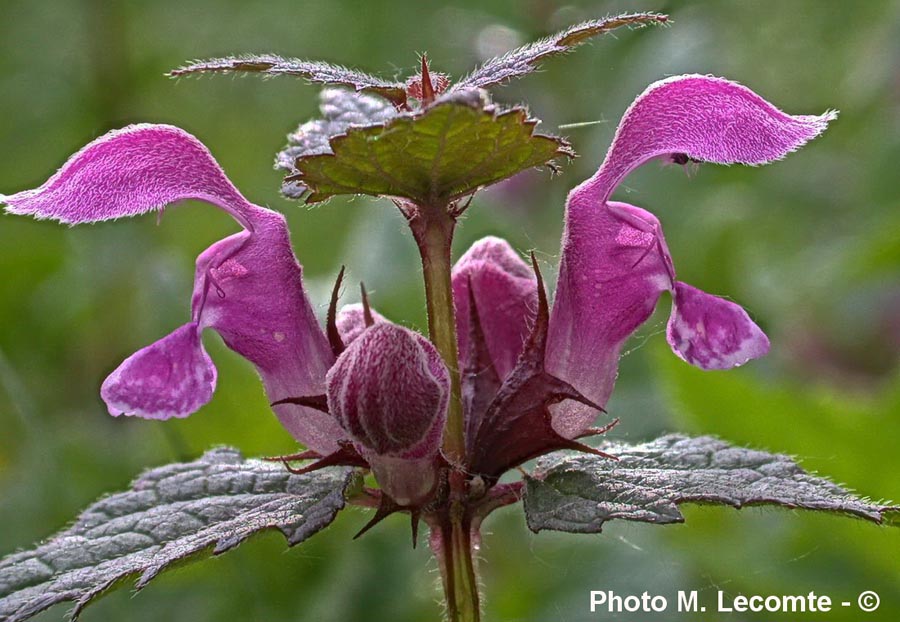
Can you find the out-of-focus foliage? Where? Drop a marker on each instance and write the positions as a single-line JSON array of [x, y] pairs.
[[808, 245]]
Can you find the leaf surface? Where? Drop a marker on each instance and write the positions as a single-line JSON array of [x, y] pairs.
[[445, 152], [580, 493], [314, 71], [170, 514], [341, 109], [526, 59]]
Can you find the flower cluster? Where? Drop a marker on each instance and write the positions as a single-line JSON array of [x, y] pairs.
[[365, 391]]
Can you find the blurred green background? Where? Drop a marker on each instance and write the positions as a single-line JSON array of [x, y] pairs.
[[810, 246]]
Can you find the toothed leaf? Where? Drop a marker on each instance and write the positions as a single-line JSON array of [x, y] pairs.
[[170, 514], [340, 109], [314, 71], [524, 60], [447, 151], [580, 493]]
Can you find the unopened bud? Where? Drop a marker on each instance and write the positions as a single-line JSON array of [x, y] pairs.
[[389, 391]]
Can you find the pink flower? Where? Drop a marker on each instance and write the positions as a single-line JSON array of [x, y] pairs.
[[615, 262], [248, 287], [505, 291]]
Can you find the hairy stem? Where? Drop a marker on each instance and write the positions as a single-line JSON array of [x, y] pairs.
[[434, 234], [451, 542], [451, 531]]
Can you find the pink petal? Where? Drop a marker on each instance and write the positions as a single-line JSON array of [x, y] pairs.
[[505, 291], [706, 118], [711, 332], [611, 275], [130, 171], [170, 378], [351, 321], [249, 288]]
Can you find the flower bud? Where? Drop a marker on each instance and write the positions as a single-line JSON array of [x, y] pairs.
[[505, 291]]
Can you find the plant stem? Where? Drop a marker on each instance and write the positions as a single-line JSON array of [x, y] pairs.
[[465, 581], [434, 235], [451, 530], [451, 543]]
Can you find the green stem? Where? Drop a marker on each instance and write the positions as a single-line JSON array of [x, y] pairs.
[[451, 543], [465, 581], [458, 571], [434, 234], [433, 229]]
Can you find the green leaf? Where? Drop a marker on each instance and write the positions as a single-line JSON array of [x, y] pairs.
[[314, 71], [341, 109], [579, 494], [852, 435], [524, 60], [445, 152], [170, 514]]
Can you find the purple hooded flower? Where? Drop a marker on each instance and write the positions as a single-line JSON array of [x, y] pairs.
[[505, 290], [615, 262], [248, 287]]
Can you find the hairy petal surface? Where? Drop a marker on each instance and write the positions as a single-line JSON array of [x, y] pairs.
[[615, 262], [131, 171], [248, 286], [173, 377], [705, 118], [389, 390], [351, 321], [610, 279], [505, 291], [712, 333]]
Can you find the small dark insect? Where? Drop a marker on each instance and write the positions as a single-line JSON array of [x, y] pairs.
[[683, 158]]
